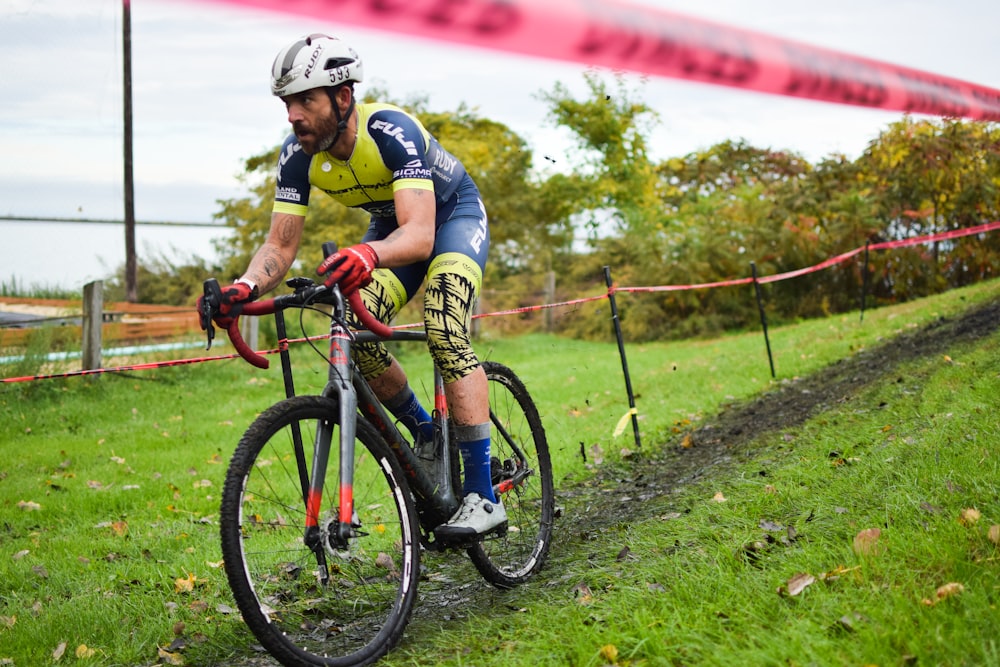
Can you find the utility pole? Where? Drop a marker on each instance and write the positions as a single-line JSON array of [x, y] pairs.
[[131, 270]]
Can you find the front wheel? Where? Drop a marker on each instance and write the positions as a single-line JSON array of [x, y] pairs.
[[522, 475], [337, 602]]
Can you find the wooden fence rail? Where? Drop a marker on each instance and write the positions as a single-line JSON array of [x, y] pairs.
[[96, 323]]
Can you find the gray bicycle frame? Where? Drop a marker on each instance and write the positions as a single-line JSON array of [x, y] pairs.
[[431, 481]]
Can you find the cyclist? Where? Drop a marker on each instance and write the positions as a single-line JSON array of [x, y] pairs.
[[427, 223]]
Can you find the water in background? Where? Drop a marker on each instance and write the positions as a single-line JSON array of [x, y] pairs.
[[69, 255]]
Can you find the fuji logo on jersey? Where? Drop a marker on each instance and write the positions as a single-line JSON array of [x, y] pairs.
[[396, 133]]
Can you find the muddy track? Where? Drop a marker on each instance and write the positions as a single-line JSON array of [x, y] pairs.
[[726, 437]]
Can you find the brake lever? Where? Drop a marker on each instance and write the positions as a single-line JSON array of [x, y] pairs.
[[210, 302]]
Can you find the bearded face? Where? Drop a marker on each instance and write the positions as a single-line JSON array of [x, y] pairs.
[[316, 135]]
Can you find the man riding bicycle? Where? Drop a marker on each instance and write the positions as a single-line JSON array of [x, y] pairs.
[[427, 222]]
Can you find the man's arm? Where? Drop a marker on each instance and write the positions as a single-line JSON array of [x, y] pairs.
[[273, 259], [413, 241]]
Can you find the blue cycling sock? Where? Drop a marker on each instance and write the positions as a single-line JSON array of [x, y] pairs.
[[407, 409], [476, 461]]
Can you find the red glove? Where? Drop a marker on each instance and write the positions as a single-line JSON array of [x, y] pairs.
[[351, 268], [233, 298]]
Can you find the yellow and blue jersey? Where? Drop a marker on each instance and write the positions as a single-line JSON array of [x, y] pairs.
[[393, 151]]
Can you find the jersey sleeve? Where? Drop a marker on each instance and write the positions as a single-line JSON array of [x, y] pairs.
[[291, 194], [402, 142]]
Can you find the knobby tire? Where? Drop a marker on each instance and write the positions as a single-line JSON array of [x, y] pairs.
[[512, 558], [361, 612]]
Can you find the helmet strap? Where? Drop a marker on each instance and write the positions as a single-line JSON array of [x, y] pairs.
[[342, 121]]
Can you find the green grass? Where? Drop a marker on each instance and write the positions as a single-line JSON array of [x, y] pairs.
[[109, 492], [35, 290]]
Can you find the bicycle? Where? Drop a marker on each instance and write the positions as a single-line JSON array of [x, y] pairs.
[[329, 578]]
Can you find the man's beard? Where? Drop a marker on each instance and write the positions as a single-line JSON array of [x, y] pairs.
[[321, 138]]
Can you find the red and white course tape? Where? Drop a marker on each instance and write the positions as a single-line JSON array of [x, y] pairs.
[[658, 42]]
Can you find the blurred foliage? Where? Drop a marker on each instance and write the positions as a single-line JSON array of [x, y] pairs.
[[704, 217]]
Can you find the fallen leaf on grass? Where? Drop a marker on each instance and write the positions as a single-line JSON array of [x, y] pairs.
[[866, 542], [849, 622], [944, 592], [185, 584], [949, 589], [797, 584], [583, 593], [84, 651], [168, 657], [837, 572], [969, 516], [384, 561], [994, 534], [199, 606], [7, 621], [21, 554], [596, 455], [58, 652], [610, 653], [718, 497], [29, 506], [752, 551]]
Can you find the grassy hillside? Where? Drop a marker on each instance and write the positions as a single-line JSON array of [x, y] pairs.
[[741, 532]]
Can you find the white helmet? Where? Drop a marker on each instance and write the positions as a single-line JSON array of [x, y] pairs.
[[315, 61]]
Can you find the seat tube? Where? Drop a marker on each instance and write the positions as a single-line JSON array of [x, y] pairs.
[[441, 404]]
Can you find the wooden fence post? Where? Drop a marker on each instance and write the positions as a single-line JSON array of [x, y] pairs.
[[250, 330], [550, 297], [93, 316]]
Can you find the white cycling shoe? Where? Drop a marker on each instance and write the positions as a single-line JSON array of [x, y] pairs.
[[475, 517]]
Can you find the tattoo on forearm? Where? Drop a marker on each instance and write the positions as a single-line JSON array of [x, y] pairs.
[[286, 229], [266, 268], [393, 236]]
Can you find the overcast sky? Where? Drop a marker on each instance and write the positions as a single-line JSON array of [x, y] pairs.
[[202, 103]]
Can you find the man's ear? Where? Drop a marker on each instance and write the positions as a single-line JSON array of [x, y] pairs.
[[344, 96]]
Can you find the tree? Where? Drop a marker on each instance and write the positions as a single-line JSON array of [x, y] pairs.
[[932, 176], [619, 180]]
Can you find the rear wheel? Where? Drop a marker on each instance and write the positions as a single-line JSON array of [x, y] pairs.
[[336, 603], [522, 473]]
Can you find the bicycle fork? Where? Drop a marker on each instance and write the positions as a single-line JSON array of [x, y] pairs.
[[345, 526]]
